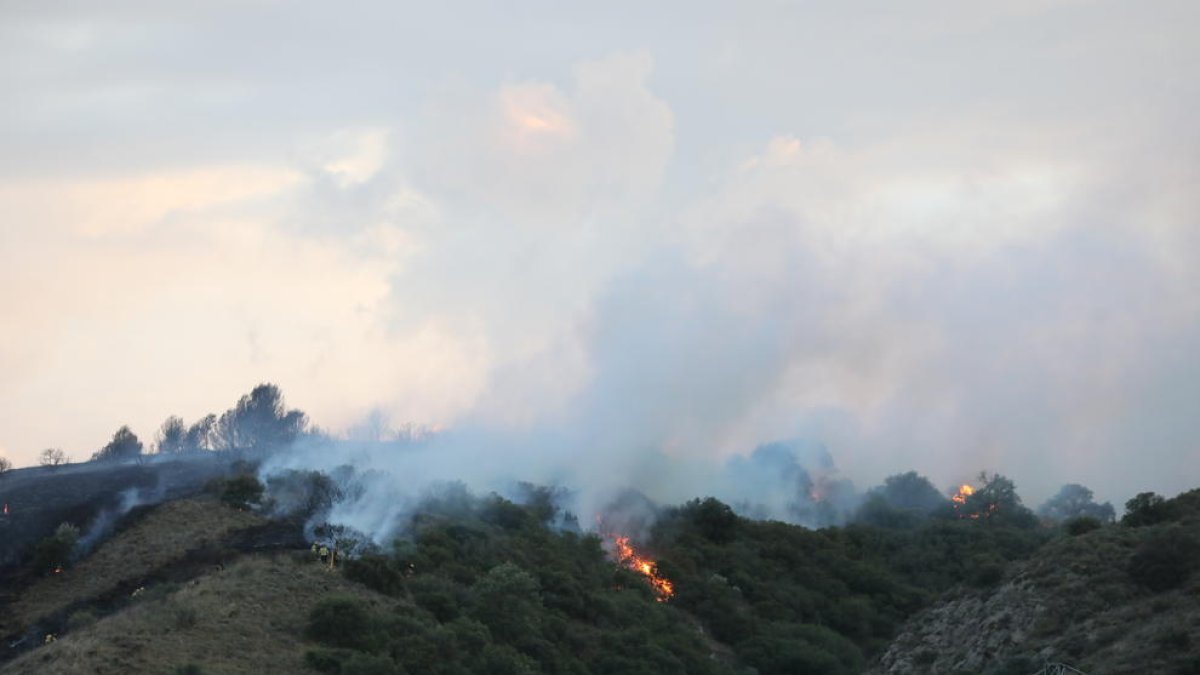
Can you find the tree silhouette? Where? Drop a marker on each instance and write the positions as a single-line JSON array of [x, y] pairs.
[[910, 491], [172, 436], [200, 436], [259, 422], [124, 445], [53, 457], [1147, 508], [1073, 501]]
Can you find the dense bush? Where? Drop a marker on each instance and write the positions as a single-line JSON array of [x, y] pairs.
[[1147, 508], [483, 585], [1082, 525], [340, 622], [1165, 560], [54, 551], [241, 491]]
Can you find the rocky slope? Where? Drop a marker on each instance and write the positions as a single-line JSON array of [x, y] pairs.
[[1074, 602]]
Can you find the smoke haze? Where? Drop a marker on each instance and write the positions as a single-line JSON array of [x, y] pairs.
[[614, 248]]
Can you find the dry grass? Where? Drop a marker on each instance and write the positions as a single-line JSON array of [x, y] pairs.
[[163, 536], [247, 618]]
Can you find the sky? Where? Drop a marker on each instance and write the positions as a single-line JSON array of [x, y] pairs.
[[940, 236]]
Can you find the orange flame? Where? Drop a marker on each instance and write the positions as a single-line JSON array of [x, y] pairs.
[[627, 556], [6, 508], [960, 497]]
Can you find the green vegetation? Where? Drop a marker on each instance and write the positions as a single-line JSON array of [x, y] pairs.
[[482, 584], [241, 491], [493, 589], [54, 552]]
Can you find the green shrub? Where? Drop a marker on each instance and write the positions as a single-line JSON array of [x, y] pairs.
[[1147, 508], [1082, 525], [241, 491], [438, 596], [376, 572], [340, 622], [1165, 560], [54, 551]]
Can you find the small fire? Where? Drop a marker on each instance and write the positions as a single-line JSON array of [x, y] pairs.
[[960, 497], [627, 556], [6, 508]]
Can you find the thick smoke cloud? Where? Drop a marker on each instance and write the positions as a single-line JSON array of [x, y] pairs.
[[614, 252]]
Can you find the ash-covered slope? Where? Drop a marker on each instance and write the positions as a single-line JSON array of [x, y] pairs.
[[37, 500], [1119, 599]]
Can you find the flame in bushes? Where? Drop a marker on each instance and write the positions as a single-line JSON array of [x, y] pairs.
[[960, 500], [630, 558], [960, 497]]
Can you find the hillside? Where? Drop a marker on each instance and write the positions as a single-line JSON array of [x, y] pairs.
[[246, 618], [38, 499], [481, 584], [1117, 599], [163, 542]]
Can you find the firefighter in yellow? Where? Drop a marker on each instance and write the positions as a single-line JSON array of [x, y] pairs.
[[316, 549], [324, 554]]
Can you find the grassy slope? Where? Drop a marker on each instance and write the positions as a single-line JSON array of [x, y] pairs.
[[163, 536], [247, 618]]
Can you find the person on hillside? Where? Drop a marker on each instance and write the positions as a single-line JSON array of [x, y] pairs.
[[324, 554]]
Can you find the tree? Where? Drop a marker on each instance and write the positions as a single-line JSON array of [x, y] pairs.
[[506, 600], [242, 491], [201, 435], [53, 457], [341, 621], [124, 445], [1147, 508], [259, 422], [5, 465], [55, 551], [1074, 501], [172, 437], [910, 491], [998, 501]]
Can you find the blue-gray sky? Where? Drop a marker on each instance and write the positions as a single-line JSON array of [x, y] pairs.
[[935, 235]]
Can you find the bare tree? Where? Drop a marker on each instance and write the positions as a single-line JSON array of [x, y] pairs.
[[172, 437], [5, 465], [53, 457]]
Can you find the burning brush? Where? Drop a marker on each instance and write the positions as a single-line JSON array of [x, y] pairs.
[[628, 557], [960, 499]]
